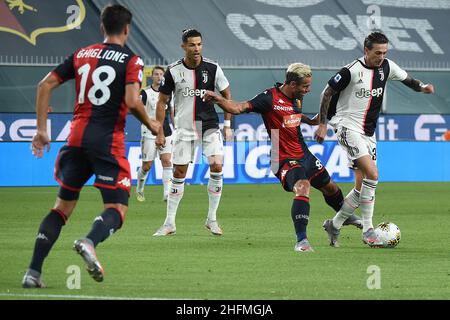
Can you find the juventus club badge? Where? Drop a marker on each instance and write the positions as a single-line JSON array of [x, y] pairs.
[[380, 70], [205, 76]]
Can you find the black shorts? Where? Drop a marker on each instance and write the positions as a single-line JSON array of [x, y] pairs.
[[307, 168], [74, 166]]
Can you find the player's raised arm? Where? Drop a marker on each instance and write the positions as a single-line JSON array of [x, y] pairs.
[[230, 106], [44, 91], [418, 85], [325, 99], [137, 108]]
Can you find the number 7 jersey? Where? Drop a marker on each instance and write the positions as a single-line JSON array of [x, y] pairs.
[[101, 73]]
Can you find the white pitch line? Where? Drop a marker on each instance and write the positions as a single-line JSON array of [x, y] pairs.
[[70, 296]]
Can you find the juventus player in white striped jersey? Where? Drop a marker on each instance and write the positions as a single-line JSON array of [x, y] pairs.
[[196, 122], [352, 102]]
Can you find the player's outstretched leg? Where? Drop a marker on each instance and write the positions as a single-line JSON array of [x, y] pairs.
[[336, 201], [367, 204], [48, 233]]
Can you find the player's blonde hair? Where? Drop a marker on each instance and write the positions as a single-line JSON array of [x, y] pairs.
[[297, 72]]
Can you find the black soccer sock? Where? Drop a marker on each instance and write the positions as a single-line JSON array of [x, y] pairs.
[[335, 201], [48, 233], [104, 226], [300, 216]]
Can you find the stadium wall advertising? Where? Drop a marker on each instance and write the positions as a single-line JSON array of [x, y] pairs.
[[245, 162], [431, 127]]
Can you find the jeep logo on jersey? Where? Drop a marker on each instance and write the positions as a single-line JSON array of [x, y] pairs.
[[191, 92], [23, 18], [367, 93]]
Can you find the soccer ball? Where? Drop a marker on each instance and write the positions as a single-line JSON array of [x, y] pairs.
[[389, 233]]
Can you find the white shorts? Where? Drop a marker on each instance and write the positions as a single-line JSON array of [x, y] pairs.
[[184, 151], [357, 145], [149, 150]]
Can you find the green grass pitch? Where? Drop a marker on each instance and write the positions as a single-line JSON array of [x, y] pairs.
[[254, 259]]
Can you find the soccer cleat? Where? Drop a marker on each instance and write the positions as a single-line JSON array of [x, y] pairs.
[[213, 226], [370, 238], [140, 196], [165, 230], [353, 220], [303, 246], [332, 231], [87, 252], [32, 281]]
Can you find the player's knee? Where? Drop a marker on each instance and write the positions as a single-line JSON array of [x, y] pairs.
[[146, 166], [180, 172], [301, 188], [166, 163], [65, 207], [372, 174], [215, 167]]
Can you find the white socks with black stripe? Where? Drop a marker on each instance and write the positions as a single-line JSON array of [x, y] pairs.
[[350, 204], [215, 185], [166, 177], [367, 202], [141, 178], [173, 200]]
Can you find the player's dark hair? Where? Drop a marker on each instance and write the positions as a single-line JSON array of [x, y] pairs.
[[158, 68], [115, 18], [189, 33], [375, 37]]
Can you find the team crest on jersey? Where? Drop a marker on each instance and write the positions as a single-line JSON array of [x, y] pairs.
[[22, 17], [205, 76], [380, 70]]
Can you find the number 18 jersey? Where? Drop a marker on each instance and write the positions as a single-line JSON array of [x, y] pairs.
[[101, 73]]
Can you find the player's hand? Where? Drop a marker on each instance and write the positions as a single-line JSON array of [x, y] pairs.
[[321, 132], [227, 133], [160, 141], [155, 126], [40, 140], [210, 96], [429, 88]]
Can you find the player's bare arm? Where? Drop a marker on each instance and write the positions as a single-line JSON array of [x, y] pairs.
[[41, 138], [163, 100], [325, 99], [227, 117], [418, 85], [137, 108], [230, 106], [314, 121]]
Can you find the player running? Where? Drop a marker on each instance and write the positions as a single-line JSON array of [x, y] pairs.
[[291, 161], [107, 78], [352, 100]]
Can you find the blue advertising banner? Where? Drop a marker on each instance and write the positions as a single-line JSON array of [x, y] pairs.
[[244, 162], [248, 127]]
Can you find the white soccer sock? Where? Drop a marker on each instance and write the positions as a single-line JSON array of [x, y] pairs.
[[367, 202], [141, 178], [173, 200], [215, 185], [350, 204], [166, 177]]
